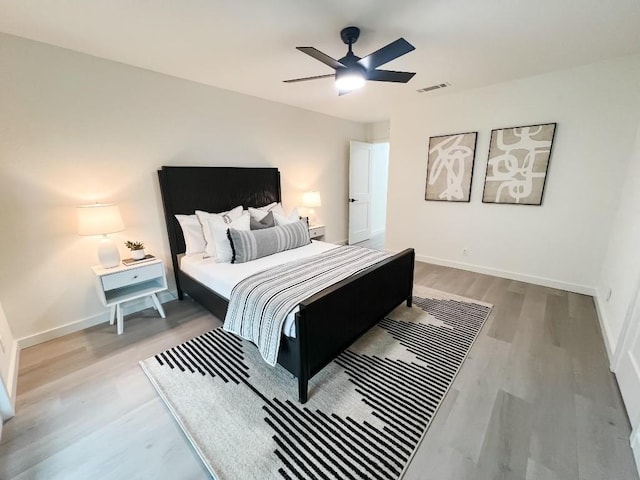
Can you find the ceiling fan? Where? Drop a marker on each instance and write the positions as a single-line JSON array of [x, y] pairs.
[[352, 71]]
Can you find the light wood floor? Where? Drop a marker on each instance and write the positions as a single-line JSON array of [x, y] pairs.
[[535, 399]]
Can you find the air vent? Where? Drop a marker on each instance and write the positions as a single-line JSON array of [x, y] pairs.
[[434, 87]]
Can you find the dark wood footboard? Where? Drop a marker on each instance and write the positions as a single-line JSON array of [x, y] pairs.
[[334, 318]]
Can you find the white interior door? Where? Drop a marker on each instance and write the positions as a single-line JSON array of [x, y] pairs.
[[8, 369], [360, 155], [627, 369]]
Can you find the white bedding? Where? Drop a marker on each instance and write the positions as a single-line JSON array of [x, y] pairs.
[[222, 277]]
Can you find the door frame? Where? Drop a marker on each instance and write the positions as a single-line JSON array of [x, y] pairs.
[[630, 333], [628, 330]]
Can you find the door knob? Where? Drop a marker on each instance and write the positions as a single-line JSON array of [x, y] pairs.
[[351, 200]]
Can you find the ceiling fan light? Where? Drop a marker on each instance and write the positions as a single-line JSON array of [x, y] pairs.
[[349, 80]]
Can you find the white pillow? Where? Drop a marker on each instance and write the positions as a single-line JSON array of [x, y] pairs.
[[193, 236], [224, 251], [206, 219], [260, 212], [277, 208], [282, 219]]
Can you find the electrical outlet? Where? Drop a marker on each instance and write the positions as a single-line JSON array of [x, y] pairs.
[[609, 293], [465, 252]]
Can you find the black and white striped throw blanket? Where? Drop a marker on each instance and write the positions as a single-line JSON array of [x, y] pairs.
[[259, 304]]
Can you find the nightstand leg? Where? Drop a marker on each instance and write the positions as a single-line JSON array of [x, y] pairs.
[[158, 305], [112, 314], [120, 319]]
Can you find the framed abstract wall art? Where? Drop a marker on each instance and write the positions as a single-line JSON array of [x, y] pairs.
[[450, 167], [518, 164]]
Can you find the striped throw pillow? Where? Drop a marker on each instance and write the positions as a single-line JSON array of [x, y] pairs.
[[249, 245]]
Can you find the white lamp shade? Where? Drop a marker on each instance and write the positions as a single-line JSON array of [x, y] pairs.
[[311, 199], [99, 219]]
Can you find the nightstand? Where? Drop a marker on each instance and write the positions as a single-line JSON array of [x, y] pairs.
[[316, 232], [123, 283]]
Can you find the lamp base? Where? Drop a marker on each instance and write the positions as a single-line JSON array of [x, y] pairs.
[[108, 253], [313, 218]]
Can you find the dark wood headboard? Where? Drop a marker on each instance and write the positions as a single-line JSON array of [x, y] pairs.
[[212, 189]]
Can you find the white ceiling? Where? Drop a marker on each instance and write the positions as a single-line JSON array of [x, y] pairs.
[[249, 45]]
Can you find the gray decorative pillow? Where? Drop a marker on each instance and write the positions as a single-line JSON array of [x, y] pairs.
[[266, 222], [248, 245]]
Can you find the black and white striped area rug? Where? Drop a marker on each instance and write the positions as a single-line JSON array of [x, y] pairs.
[[367, 410]]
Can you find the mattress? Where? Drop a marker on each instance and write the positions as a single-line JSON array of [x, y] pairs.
[[222, 277]]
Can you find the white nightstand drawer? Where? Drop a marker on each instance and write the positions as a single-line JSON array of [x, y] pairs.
[[132, 276], [316, 231]]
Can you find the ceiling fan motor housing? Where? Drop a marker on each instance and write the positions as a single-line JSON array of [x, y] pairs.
[[350, 35]]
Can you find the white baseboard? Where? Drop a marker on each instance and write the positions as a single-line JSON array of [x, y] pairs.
[[522, 277], [76, 326], [606, 334]]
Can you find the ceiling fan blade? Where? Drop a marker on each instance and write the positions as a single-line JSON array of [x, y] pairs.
[[294, 80], [389, 76], [323, 57], [386, 54]]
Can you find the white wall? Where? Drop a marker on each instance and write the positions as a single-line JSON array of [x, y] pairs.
[[379, 187], [561, 243], [621, 267], [378, 132], [77, 129]]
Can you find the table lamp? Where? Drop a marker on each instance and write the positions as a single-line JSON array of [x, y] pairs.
[[310, 200], [102, 219]]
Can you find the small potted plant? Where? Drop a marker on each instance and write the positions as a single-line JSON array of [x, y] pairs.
[[137, 249]]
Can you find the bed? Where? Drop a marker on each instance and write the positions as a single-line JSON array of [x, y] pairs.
[[327, 322]]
